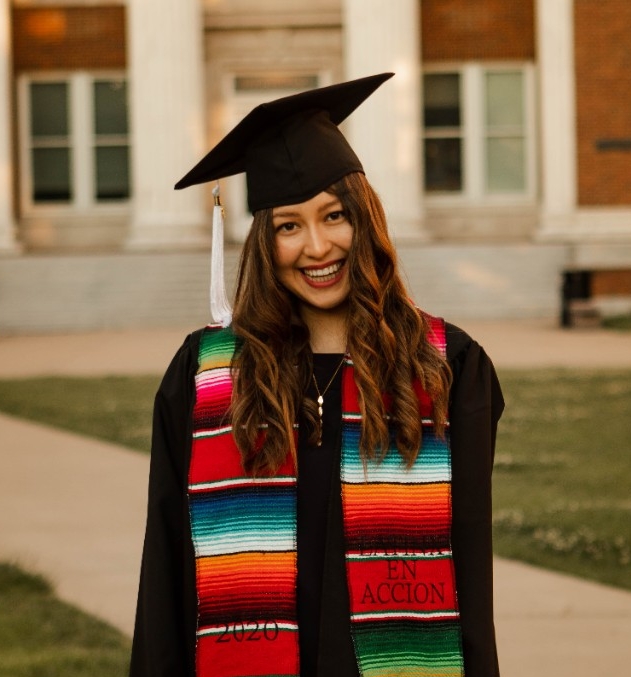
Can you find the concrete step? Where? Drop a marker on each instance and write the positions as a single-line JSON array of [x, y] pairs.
[[508, 281], [80, 292], [107, 291]]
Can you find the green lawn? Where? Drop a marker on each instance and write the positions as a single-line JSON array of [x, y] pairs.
[[618, 322], [563, 467], [43, 637], [563, 472], [113, 408]]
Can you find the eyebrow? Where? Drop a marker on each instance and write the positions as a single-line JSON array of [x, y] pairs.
[[287, 213], [330, 203], [284, 214]]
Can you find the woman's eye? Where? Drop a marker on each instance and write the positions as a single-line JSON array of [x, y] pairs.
[[336, 216], [285, 227]]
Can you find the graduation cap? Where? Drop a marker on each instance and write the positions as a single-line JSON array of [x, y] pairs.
[[290, 149]]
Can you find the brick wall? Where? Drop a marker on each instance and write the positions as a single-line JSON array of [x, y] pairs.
[[66, 38], [603, 94], [460, 30], [611, 282]]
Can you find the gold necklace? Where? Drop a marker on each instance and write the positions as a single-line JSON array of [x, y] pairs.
[[321, 397]]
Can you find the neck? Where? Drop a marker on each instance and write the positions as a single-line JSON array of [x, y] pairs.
[[327, 329]]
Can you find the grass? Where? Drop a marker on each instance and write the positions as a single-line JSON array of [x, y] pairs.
[[40, 636], [113, 408], [619, 322], [562, 479]]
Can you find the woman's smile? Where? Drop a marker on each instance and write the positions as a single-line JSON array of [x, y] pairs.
[[324, 276]]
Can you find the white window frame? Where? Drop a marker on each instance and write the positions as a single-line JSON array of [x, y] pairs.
[[82, 142], [473, 128]]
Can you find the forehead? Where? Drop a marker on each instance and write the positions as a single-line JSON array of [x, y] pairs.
[[320, 201]]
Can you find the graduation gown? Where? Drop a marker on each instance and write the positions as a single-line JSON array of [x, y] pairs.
[[164, 636]]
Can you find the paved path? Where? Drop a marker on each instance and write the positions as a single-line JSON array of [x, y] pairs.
[[510, 344], [74, 508]]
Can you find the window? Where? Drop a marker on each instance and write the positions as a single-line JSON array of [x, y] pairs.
[[50, 142], [443, 132], [504, 133], [74, 140], [478, 133], [111, 149]]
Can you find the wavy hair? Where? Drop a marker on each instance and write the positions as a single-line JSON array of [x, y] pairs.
[[386, 339]]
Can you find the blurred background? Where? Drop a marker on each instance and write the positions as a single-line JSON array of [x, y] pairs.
[[502, 153], [501, 149]]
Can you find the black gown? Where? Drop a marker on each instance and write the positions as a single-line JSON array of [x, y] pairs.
[[164, 636]]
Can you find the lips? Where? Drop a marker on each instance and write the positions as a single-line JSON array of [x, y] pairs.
[[324, 274]]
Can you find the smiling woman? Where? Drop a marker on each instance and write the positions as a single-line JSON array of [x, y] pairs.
[[319, 499]]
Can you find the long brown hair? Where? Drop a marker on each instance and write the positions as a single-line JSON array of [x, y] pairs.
[[386, 341]]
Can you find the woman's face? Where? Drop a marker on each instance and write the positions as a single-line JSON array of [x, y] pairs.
[[312, 244]]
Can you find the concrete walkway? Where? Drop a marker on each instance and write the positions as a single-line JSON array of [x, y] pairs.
[[73, 508], [515, 344]]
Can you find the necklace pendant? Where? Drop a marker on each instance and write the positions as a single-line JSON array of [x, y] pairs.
[[320, 400]]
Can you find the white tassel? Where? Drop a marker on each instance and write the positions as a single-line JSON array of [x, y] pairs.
[[220, 309]]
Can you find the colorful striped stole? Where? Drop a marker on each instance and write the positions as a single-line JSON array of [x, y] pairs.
[[397, 523]]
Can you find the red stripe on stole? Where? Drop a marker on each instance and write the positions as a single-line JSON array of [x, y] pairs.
[[349, 392], [370, 506], [350, 396], [214, 396], [401, 584], [436, 334], [425, 401], [264, 656], [214, 458], [218, 458]]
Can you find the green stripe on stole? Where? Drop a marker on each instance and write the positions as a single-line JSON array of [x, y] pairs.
[[397, 526]]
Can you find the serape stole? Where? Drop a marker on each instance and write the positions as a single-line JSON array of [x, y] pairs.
[[244, 534], [397, 526], [397, 523]]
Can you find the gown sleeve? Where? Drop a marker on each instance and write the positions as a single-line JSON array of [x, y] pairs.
[[475, 408], [164, 634]]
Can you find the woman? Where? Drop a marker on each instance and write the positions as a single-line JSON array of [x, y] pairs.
[[359, 542]]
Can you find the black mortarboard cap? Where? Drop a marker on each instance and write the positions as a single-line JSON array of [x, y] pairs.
[[290, 149]]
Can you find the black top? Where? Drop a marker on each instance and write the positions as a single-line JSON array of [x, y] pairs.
[[164, 637], [317, 483]]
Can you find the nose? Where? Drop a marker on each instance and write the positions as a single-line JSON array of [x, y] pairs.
[[317, 244]]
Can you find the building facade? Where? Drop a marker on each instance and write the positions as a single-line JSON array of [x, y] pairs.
[[501, 149]]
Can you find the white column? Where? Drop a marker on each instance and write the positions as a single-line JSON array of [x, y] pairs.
[[8, 243], [557, 101], [379, 36], [165, 40]]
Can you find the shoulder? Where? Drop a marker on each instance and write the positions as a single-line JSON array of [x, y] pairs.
[[183, 365], [467, 358], [474, 380], [455, 339], [458, 342], [196, 342], [189, 349]]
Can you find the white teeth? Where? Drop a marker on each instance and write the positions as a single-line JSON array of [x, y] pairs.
[[323, 272]]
